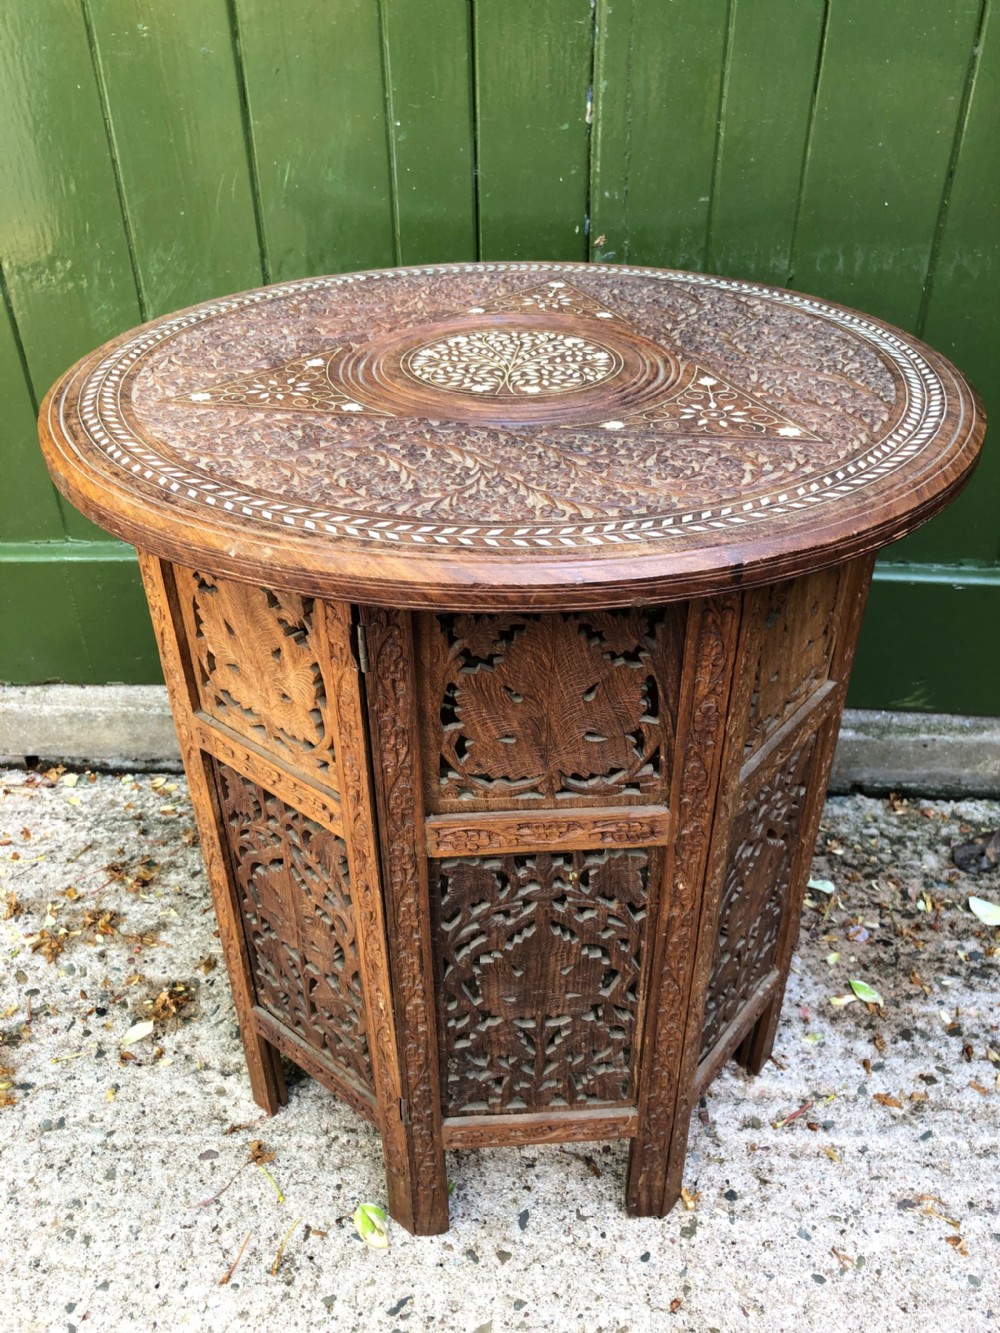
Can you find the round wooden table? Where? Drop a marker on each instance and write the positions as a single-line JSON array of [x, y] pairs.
[[507, 612]]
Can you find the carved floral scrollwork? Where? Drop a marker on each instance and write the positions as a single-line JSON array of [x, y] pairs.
[[540, 709], [258, 662], [540, 958], [799, 623], [298, 918], [755, 891]]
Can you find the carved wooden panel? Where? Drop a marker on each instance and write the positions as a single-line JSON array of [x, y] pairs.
[[539, 959], [547, 710], [298, 917], [259, 665], [799, 626], [755, 890]]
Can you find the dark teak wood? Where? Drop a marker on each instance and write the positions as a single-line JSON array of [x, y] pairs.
[[507, 613]]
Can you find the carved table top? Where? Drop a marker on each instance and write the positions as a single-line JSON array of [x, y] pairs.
[[503, 434]]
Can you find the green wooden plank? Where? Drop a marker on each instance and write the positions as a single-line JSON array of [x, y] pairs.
[[65, 251], [951, 669], [888, 101], [428, 60], [173, 103], [29, 510], [658, 74], [314, 88], [963, 311], [66, 258], [95, 628], [773, 54], [533, 67]]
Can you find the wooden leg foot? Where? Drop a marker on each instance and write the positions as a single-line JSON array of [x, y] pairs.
[[267, 1078], [755, 1049]]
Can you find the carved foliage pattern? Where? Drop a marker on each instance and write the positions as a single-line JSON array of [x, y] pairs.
[[795, 653], [298, 916], [755, 891], [258, 659], [540, 961], [547, 710]]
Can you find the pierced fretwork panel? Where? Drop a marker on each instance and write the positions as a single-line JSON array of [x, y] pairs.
[[548, 710], [755, 891], [795, 654], [257, 657], [298, 917], [539, 959]]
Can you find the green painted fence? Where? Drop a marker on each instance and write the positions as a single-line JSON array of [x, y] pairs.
[[154, 153]]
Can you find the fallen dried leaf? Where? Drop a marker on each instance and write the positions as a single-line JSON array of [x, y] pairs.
[[978, 1087], [690, 1200], [259, 1154], [884, 1099]]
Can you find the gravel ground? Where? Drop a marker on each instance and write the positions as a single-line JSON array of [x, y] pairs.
[[876, 1208]]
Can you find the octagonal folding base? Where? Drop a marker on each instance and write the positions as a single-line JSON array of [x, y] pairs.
[[514, 877]]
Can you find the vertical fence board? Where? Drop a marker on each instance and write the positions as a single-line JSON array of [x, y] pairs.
[[29, 511], [429, 66], [172, 101], [658, 77], [315, 94], [65, 251], [888, 102], [767, 101], [963, 311], [532, 72]]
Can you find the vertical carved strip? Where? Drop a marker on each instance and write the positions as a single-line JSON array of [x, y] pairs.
[[263, 1060], [362, 856], [393, 729], [847, 617], [709, 656]]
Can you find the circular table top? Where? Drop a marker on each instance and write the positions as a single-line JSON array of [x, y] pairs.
[[488, 435]]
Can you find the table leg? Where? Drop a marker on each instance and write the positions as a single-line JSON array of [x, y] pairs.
[[395, 747], [709, 656], [263, 1060], [755, 1050]]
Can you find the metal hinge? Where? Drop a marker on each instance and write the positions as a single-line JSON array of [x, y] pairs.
[[361, 648]]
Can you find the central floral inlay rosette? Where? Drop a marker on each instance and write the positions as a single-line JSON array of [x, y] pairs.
[[512, 362]]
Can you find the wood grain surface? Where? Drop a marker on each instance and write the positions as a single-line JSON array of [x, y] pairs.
[[503, 435]]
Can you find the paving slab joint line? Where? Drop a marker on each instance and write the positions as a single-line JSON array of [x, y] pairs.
[[114, 727]]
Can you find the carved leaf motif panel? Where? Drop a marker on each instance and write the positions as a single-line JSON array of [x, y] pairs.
[[539, 959], [795, 655], [755, 891], [298, 917], [548, 711], [259, 662]]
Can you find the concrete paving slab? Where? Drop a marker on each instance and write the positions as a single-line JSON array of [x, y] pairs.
[[875, 1208], [122, 726]]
